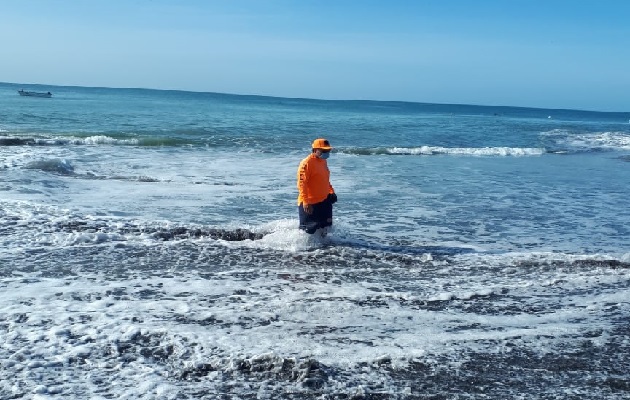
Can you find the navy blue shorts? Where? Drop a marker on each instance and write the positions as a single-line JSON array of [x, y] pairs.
[[321, 216]]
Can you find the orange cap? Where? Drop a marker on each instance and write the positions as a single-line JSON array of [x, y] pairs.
[[321, 144]]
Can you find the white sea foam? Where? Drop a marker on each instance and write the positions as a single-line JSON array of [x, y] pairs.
[[116, 330], [590, 141], [607, 140], [464, 151], [90, 140], [117, 309], [100, 139]]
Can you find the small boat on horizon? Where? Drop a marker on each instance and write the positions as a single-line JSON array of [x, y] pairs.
[[34, 94]]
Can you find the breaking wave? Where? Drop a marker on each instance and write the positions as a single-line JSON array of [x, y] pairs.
[[61, 141], [566, 141], [92, 140], [437, 150]]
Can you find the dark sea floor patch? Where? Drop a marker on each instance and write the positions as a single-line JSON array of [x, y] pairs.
[[164, 234]]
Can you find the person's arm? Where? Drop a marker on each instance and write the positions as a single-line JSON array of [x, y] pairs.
[[303, 186], [332, 196]]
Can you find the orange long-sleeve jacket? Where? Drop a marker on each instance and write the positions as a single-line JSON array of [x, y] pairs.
[[313, 180]]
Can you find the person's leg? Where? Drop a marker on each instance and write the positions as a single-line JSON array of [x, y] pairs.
[[322, 213], [307, 223], [326, 213]]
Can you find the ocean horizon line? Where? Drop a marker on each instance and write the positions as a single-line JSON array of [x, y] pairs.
[[360, 101]]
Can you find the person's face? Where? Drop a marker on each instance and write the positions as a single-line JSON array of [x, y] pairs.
[[319, 152]]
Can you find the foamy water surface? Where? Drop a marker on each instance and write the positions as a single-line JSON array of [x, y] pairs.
[[475, 253]]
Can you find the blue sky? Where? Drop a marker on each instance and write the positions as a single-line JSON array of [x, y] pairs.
[[547, 53]]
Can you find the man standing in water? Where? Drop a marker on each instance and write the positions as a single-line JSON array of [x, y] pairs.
[[316, 195]]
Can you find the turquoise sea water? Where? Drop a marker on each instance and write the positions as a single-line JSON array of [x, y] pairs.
[[149, 239]]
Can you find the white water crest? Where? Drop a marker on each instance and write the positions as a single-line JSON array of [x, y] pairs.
[[464, 151], [595, 141]]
